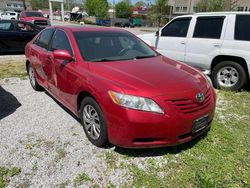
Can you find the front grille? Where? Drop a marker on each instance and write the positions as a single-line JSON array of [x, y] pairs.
[[40, 22], [188, 106]]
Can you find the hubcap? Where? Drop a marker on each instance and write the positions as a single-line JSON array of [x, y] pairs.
[[91, 121], [227, 76], [32, 76]]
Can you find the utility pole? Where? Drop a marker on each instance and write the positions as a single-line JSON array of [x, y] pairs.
[[189, 7], [24, 5]]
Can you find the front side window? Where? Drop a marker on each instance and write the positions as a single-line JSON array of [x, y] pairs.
[[111, 46], [177, 28], [44, 38], [25, 27], [60, 41], [208, 27], [242, 27]]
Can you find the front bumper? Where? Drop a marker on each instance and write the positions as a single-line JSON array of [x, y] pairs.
[[138, 129]]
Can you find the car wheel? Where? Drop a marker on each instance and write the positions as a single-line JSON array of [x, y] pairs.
[[32, 78], [229, 75], [94, 123]]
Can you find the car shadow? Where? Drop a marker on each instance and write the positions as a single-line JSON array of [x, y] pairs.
[[8, 103], [154, 152]]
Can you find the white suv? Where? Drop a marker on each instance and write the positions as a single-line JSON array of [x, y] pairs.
[[216, 43], [9, 15]]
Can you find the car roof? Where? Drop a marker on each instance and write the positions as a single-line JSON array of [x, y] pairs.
[[76, 28], [214, 14], [220, 13]]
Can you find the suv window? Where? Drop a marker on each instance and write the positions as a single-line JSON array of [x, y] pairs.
[[242, 28], [60, 41], [44, 38], [208, 27], [177, 28]]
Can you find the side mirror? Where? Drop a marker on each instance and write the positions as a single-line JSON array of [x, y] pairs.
[[63, 55]]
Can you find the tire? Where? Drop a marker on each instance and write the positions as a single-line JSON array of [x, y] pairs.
[[90, 112], [32, 78], [229, 75]]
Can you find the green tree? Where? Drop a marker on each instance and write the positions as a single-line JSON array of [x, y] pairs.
[[101, 9], [123, 9], [98, 8], [159, 12], [140, 4]]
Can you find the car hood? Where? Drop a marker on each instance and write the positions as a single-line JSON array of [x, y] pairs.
[[151, 77]]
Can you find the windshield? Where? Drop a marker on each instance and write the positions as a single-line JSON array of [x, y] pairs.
[[33, 14], [111, 46]]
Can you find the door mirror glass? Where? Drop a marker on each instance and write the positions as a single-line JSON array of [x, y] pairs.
[[63, 55]]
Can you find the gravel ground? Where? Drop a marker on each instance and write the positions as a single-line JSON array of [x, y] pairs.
[[49, 145]]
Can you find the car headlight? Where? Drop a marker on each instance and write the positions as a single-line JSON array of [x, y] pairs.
[[135, 102]]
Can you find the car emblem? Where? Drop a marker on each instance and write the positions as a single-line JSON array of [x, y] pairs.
[[200, 97]]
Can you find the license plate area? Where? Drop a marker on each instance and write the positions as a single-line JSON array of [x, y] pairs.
[[200, 124]]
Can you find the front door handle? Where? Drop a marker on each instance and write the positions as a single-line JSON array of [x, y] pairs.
[[217, 45], [183, 42]]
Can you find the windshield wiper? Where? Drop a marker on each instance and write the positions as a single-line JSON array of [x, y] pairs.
[[144, 56], [103, 60]]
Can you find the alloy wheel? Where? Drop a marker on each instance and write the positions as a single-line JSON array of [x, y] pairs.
[[91, 121], [227, 76]]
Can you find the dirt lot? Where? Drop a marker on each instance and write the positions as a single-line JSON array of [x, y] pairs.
[[43, 145]]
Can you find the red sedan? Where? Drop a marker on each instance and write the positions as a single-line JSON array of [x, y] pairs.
[[123, 91]]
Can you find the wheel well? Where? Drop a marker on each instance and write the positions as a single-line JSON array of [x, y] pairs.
[[27, 65], [81, 96], [236, 59]]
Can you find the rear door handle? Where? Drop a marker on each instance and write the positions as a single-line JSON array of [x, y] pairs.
[[183, 42]]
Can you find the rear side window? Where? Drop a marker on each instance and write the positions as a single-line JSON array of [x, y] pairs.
[[177, 28], [44, 38], [242, 27], [61, 42], [6, 26], [208, 27]]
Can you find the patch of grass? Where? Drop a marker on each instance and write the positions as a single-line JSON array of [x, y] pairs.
[[60, 154], [64, 184], [81, 179], [110, 159], [219, 159], [6, 174], [13, 69]]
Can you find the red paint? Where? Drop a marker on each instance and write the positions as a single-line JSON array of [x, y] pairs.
[[165, 81]]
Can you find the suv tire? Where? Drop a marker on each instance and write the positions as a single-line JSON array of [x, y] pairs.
[[229, 75]]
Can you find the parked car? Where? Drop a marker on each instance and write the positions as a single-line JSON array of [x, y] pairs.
[[217, 43], [9, 15], [36, 18], [123, 91], [123, 24], [14, 35]]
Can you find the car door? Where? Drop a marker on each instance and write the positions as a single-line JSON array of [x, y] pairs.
[[9, 37], [38, 54], [205, 41], [173, 38], [63, 75], [26, 32]]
